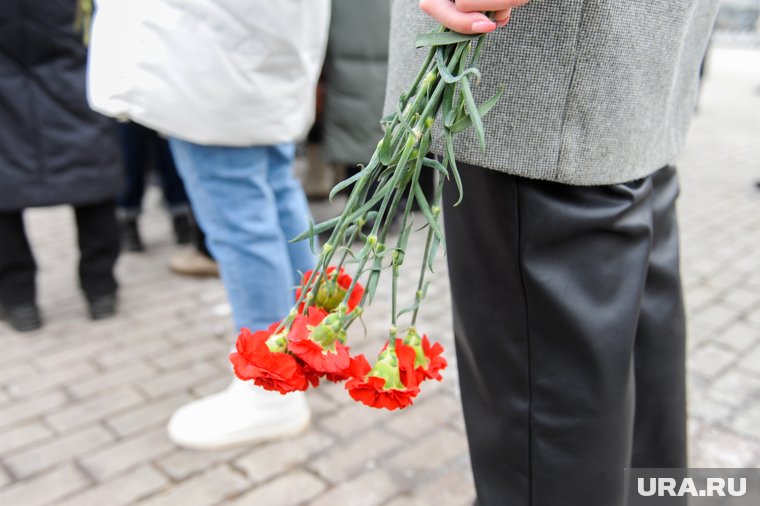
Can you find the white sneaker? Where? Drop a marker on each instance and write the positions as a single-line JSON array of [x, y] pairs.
[[242, 413]]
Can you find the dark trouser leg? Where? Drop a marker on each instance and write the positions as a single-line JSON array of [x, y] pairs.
[[98, 246], [172, 185], [133, 138], [17, 265], [547, 285], [660, 423]]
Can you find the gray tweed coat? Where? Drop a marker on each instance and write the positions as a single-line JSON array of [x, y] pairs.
[[597, 91]]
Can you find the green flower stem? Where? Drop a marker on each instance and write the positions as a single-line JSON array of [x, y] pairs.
[[394, 171], [418, 295]]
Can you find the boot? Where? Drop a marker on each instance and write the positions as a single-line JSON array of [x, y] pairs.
[[130, 235], [22, 317], [183, 229], [241, 414]]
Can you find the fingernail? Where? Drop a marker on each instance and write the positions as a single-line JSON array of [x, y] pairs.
[[483, 26], [503, 22]]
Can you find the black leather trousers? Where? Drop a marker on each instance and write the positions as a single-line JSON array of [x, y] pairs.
[[569, 325]]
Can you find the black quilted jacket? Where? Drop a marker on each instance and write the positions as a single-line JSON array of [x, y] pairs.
[[53, 148]]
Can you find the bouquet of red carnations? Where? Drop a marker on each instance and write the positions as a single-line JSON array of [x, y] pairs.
[[310, 344]]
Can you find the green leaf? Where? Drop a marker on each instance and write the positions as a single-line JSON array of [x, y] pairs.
[[315, 230], [385, 145], [433, 252], [348, 182], [447, 76], [443, 39], [472, 112], [435, 164], [311, 237], [484, 108], [425, 208], [452, 162], [372, 281]]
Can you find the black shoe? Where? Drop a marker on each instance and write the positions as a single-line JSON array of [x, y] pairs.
[[130, 236], [183, 229], [23, 318], [102, 306]]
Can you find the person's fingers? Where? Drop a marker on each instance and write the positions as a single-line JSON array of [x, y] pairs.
[[501, 18], [446, 13], [487, 5]]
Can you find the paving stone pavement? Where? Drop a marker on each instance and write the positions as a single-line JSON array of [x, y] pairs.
[[83, 405]]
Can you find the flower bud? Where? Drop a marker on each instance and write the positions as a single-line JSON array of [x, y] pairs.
[[414, 341], [386, 368], [330, 330], [278, 343]]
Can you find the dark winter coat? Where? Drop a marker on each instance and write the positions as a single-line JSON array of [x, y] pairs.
[[53, 148], [356, 67]]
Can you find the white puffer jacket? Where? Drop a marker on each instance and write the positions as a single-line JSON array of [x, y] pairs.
[[217, 72]]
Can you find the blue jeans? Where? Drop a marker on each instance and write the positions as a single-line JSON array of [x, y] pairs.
[[249, 204]]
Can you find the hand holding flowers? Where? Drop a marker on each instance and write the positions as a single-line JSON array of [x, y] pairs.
[[310, 344]]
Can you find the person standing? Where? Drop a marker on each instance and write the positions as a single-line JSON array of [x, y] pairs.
[[232, 83], [141, 146], [53, 150], [563, 256]]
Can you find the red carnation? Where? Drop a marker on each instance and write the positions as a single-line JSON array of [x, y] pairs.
[[436, 361], [318, 341], [312, 376], [270, 370], [390, 384], [428, 360], [330, 292]]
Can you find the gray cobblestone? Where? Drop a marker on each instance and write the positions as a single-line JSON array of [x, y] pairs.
[[752, 361], [735, 387], [740, 336], [455, 488], [19, 437], [442, 446], [149, 415], [274, 458], [34, 383], [121, 491], [110, 378], [369, 489], [180, 380], [127, 453], [44, 489], [93, 410], [58, 450], [181, 464], [16, 371], [354, 456], [709, 360], [30, 408], [718, 447], [213, 487], [291, 489], [413, 423], [747, 423], [353, 418]]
